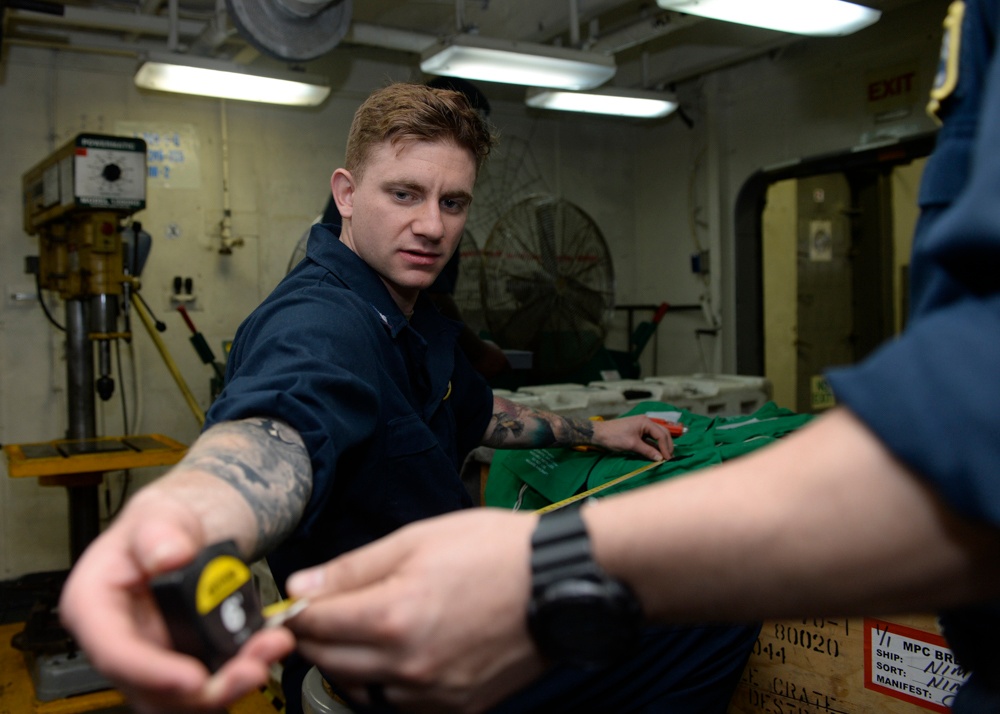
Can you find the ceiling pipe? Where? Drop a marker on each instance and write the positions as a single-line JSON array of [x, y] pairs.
[[574, 24], [216, 33], [103, 20], [172, 18], [79, 42], [640, 32], [137, 25], [149, 7], [736, 58], [388, 38]]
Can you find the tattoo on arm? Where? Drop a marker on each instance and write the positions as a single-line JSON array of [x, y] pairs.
[[517, 426], [508, 425], [266, 461], [580, 431]]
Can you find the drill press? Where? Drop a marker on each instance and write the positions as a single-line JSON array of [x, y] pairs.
[[76, 202]]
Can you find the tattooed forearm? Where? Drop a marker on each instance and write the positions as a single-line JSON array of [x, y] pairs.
[[508, 425], [266, 461], [580, 431], [517, 426]]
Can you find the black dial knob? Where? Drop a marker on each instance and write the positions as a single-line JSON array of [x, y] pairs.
[[111, 172]]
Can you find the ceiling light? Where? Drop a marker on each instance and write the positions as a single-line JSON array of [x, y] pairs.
[[803, 17], [615, 101], [226, 80], [492, 60]]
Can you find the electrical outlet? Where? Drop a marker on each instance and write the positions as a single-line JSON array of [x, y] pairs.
[[182, 293]]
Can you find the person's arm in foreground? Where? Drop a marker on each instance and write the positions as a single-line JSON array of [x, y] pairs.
[[825, 522], [515, 426], [248, 481]]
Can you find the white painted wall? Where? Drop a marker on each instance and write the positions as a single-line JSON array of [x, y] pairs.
[[657, 191]]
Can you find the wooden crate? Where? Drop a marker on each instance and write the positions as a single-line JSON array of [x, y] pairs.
[[876, 665]]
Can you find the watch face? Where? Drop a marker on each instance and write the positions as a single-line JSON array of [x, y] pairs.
[[585, 623]]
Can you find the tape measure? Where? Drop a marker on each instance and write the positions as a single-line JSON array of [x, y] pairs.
[[597, 489], [211, 606]]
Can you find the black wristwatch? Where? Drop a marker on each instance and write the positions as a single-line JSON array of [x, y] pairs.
[[578, 614]]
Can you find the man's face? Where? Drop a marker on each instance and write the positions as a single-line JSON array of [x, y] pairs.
[[406, 215]]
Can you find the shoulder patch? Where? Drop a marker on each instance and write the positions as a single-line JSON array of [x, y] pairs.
[[946, 77]]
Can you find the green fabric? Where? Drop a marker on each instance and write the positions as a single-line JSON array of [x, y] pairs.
[[531, 479]]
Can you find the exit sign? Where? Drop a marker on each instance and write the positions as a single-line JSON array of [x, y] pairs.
[[893, 88]]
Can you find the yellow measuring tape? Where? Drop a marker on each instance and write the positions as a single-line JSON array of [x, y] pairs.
[[597, 489]]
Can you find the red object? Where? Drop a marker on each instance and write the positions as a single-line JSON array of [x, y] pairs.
[[184, 313], [673, 428]]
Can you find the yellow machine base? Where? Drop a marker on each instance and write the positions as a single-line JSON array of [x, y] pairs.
[[17, 693]]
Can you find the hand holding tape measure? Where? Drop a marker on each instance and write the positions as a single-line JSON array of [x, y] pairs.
[[212, 607]]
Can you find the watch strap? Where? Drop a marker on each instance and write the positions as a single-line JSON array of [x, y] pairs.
[[578, 614], [560, 547]]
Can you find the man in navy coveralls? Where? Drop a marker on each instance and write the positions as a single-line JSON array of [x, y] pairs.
[[347, 410]]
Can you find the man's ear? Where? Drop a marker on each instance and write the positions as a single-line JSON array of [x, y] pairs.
[[342, 188]]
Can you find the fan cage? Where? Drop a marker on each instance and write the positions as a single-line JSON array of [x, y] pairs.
[[548, 284]]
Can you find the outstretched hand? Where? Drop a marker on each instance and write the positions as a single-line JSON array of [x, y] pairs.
[[107, 606], [423, 614]]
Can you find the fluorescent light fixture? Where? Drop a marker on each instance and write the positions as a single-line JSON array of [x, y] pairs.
[[608, 100], [802, 17], [492, 60], [215, 78]]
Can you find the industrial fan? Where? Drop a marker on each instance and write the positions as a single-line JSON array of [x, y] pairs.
[[292, 30], [548, 285]]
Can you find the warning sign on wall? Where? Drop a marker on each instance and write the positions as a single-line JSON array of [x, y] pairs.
[[821, 393]]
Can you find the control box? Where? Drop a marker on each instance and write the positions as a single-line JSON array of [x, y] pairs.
[[91, 171]]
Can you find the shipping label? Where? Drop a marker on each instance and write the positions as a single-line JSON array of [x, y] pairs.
[[911, 665]]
